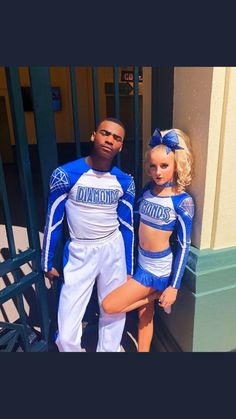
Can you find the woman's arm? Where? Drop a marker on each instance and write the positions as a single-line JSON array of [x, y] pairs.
[[183, 229]]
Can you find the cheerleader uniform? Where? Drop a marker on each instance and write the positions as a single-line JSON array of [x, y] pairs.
[[99, 213], [168, 213]]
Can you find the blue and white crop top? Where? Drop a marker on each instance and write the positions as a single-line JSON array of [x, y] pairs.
[[96, 204], [170, 213]]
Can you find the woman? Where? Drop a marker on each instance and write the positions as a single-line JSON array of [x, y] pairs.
[[166, 211]]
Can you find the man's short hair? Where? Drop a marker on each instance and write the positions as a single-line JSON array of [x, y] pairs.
[[115, 120]]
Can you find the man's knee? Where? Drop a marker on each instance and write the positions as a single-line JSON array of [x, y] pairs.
[[66, 342]]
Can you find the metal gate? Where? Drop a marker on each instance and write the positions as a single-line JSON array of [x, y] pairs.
[[20, 335]]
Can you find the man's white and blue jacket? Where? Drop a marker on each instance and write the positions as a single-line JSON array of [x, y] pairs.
[[96, 203]]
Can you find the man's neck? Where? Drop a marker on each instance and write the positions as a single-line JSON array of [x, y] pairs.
[[98, 163]]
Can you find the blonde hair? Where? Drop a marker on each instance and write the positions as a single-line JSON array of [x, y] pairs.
[[183, 159]]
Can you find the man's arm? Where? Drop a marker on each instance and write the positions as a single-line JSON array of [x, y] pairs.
[[59, 187], [125, 217]]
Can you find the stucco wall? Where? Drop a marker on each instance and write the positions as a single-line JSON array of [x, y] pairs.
[[191, 111], [204, 107]]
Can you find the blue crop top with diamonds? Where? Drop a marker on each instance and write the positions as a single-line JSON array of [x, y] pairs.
[[170, 213]]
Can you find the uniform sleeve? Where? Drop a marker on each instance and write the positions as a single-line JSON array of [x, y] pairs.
[[59, 187], [185, 213], [125, 217]]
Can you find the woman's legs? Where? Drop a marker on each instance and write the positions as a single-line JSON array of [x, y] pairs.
[[145, 327], [129, 296], [142, 301]]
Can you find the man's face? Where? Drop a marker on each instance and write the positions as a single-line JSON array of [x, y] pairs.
[[108, 139]]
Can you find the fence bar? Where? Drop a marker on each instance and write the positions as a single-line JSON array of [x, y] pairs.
[[117, 102], [162, 97], [137, 171], [75, 111], [7, 214], [23, 161], [44, 124], [7, 266], [10, 265], [95, 96], [13, 290], [116, 89]]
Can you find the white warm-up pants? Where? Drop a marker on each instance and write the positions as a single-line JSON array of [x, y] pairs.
[[85, 261]]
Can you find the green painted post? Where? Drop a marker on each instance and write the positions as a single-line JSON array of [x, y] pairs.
[[203, 318]]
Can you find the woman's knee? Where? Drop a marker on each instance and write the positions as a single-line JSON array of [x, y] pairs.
[[146, 313]]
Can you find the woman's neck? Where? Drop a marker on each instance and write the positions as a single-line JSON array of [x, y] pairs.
[[164, 190]]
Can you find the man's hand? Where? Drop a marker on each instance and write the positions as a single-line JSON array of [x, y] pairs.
[[52, 274], [168, 297]]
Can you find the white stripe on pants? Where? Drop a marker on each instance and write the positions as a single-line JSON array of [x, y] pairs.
[[102, 261]]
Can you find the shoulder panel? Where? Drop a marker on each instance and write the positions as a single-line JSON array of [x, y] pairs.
[[131, 188], [59, 179], [187, 205]]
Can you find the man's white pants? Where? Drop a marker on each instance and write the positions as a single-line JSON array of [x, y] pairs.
[[85, 261]]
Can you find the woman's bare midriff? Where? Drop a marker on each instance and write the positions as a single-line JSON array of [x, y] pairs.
[[153, 239]]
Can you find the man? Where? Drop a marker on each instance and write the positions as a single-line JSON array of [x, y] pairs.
[[97, 199]]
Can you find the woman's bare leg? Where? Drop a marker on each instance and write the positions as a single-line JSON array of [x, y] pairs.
[[145, 327], [127, 297], [151, 297]]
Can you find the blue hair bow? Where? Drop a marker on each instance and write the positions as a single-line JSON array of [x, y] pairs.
[[170, 140]]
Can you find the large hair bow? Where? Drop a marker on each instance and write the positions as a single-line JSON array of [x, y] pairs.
[[170, 140]]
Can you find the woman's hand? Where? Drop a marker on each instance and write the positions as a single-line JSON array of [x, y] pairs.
[[168, 297]]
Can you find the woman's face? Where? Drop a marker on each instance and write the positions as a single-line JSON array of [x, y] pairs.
[[161, 166]]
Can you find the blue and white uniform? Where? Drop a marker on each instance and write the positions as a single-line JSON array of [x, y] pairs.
[[167, 213], [99, 213]]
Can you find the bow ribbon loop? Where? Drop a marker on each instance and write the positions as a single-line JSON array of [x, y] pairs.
[[170, 140]]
